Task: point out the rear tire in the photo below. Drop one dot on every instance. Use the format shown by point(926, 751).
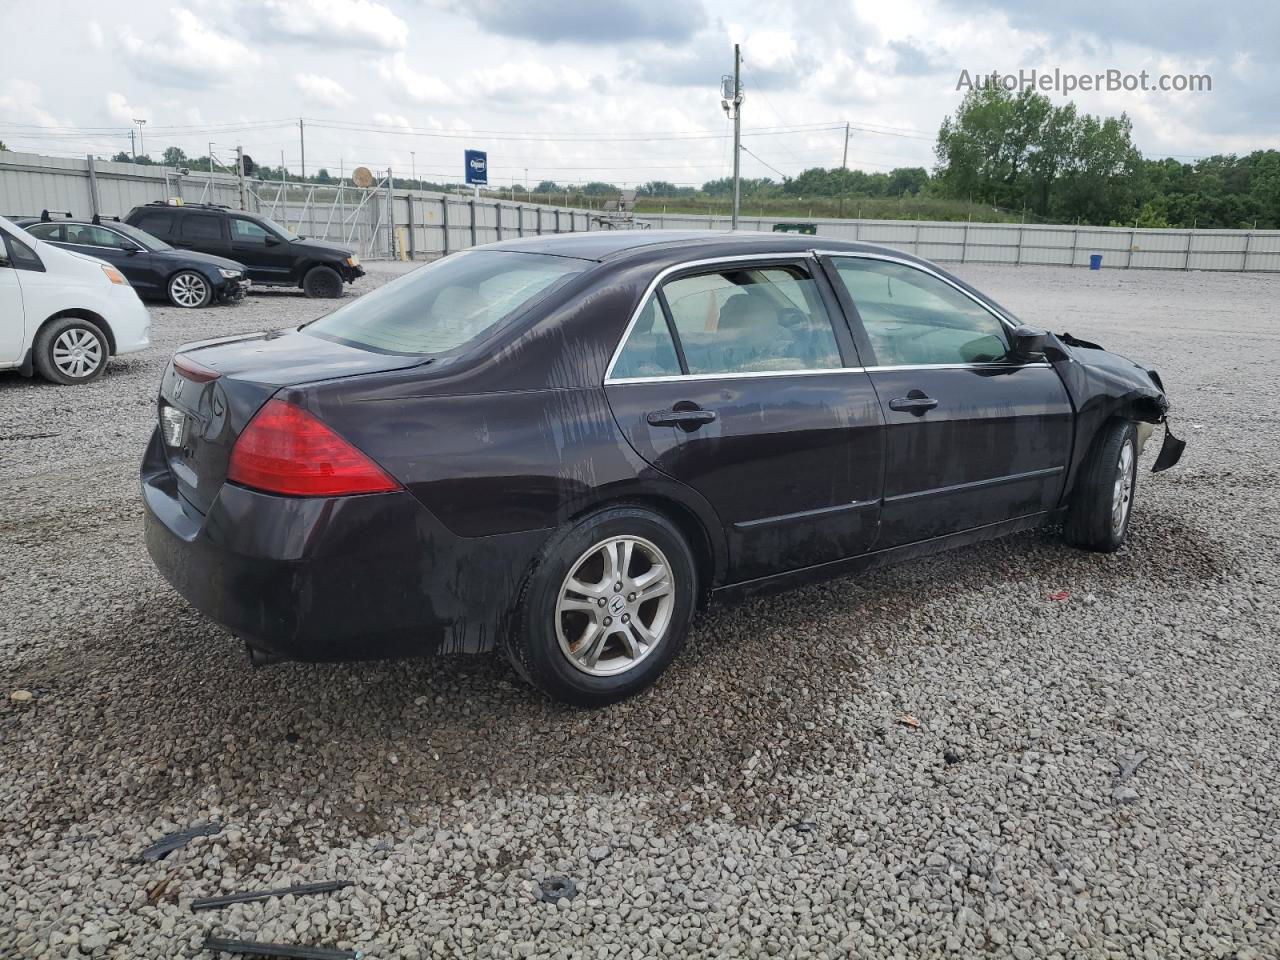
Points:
point(1102, 505)
point(322, 282)
point(606, 608)
point(70, 351)
point(190, 290)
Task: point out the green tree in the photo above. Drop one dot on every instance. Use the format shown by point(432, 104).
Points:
point(3, 147)
point(174, 157)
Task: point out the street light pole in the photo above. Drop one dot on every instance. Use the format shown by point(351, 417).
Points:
point(142, 144)
point(413, 166)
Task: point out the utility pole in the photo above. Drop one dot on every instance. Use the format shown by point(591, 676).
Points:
point(213, 196)
point(391, 216)
point(731, 100)
point(844, 161)
point(132, 146)
point(244, 197)
point(142, 144)
point(302, 143)
point(413, 165)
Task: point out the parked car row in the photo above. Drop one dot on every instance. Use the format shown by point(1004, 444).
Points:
point(70, 288)
point(195, 255)
point(63, 313)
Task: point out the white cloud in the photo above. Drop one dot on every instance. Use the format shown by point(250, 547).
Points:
point(190, 54)
point(324, 90)
point(120, 109)
point(530, 79)
point(415, 86)
point(336, 23)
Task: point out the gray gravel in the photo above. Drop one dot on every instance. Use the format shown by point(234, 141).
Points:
point(766, 799)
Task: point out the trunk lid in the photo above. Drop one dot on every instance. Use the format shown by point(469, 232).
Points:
point(200, 420)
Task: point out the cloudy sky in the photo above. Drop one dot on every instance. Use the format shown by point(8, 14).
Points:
point(625, 91)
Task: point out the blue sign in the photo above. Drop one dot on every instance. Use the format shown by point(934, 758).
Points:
point(477, 166)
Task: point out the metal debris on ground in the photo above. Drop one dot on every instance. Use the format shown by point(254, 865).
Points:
point(551, 889)
point(248, 948)
point(171, 842)
point(804, 826)
point(297, 890)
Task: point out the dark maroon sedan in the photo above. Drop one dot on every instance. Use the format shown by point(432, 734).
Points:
point(561, 447)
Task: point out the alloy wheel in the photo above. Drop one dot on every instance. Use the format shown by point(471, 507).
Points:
point(615, 606)
point(1122, 494)
point(188, 290)
point(77, 352)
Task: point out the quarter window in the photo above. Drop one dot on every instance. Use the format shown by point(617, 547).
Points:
point(650, 351)
point(751, 319)
point(22, 256)
point(912, 317)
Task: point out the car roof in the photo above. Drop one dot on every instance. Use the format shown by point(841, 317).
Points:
point(615, 245)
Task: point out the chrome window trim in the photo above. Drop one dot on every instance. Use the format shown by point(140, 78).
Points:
point(96, 246)
point(994, 365)
point(689, 377)
point(854, 254)
point(764, 259)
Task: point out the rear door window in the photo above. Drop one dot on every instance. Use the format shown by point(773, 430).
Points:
point(649, 351)
point(752, 320)
point(88, 235)
point(156, 224)
point(52, 232)
point(201, 226)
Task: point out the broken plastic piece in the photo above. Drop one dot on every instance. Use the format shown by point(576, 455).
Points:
point(248, 948)
point(297, 890)
point(1170, 451)
point(171, 842)
point(1060, 595)
point(907, 720)
point(551, 889)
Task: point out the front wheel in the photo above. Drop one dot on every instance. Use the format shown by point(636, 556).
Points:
point(1099, 513)
point(190, 290)
point(323, 282)
point(606, 608)
point(70, 351)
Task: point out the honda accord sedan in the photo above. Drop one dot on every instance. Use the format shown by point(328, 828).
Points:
point(562, 447)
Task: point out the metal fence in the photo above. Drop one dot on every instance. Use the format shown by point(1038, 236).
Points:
point(377, 222)
point(1253, 251)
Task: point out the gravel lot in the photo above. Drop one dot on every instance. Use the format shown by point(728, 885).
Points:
point(763, 800)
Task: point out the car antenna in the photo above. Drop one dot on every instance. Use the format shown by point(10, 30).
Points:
point(44, 216)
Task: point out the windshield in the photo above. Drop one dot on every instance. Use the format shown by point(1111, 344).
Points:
point(443, 306)
point(154, 244)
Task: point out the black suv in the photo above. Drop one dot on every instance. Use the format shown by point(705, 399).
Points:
point(273, 255)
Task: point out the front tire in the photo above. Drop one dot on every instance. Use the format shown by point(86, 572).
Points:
point(606, 608)
point(70, 351)
point(1100, 510)
point(190, 290)
point(322, 282)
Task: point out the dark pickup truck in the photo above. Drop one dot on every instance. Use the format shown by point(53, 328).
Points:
point(273, 255)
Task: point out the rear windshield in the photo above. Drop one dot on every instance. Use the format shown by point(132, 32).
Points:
point(442, 306)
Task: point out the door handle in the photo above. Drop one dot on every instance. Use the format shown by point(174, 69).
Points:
point(917, 405)
point(684, 419)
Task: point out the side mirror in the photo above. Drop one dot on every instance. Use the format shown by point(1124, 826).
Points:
point(272, 240)
point(1028, 343)
point(132, 250)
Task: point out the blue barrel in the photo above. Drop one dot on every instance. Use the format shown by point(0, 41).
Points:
point(1095, 261)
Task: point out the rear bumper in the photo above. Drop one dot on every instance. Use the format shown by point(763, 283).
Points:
point(343, 578)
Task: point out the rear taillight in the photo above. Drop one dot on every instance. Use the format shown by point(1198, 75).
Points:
point(286, 450)
point(193, 370)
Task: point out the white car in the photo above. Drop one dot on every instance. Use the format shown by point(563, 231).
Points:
point(63, 314)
